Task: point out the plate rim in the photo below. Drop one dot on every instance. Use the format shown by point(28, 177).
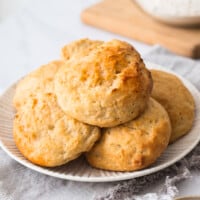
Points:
point(123, 175)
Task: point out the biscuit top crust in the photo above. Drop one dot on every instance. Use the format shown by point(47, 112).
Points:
point(112, 64)
point(109, 86)
point(40, 80)
point(79, 48)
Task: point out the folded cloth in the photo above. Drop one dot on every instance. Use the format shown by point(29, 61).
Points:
point(188, 68)
point(20, 183)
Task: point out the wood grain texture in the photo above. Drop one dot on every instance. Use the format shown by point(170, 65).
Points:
point(126, 18)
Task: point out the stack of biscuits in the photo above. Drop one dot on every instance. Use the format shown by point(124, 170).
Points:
point(100, 99)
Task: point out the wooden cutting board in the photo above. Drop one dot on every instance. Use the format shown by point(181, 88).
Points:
point(126, 18)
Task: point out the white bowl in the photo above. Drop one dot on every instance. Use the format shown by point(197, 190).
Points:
point(189, 198)
point(176, 12)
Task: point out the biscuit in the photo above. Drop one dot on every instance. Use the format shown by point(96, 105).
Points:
point(133, 145)
point(169, 91)
point(48, 137)
point(79, 48)
point(40, 80)
point(108, 87)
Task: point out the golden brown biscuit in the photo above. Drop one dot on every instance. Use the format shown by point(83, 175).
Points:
point(40, 80)
point(79, 48)
point(133, 145)
point(108, 87)
point(48, 137)
point(42, 131)
point(169, 91)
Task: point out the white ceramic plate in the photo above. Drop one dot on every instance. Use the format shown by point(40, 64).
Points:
point(79, 170)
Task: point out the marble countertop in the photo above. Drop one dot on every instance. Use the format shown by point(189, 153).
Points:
point(32, 33)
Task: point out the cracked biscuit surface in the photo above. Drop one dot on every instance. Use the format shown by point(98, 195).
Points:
point(133, 145)
point(170, 92)
point(39, 81)
point(79, 48)
point(107, 87)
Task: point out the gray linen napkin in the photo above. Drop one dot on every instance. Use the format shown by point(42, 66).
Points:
point(20, 183)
